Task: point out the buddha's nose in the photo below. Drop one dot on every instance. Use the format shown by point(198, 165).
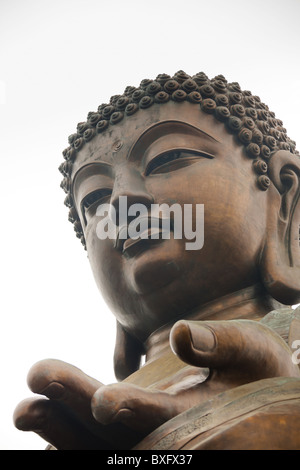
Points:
point(129, 188)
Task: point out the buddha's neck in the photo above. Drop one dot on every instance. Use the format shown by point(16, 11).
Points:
point(251, 303)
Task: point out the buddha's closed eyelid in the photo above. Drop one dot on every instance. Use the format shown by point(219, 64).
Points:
point(94, 199)
point(172, 160)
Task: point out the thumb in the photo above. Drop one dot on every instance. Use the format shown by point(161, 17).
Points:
point(244, 345)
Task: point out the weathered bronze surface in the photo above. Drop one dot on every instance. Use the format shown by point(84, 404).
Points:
point(214, 324)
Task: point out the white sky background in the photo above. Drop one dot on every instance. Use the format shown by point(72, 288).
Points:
point(60, 59)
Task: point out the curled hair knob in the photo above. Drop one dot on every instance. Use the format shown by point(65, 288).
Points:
point(260, 166)
point(263, 182)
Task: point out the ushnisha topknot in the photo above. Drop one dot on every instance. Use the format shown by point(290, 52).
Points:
point(243, 114)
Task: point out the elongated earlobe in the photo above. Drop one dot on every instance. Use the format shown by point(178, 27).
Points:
point(127, 355)
point(280, 262)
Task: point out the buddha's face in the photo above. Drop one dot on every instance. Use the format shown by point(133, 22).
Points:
point(170, 153)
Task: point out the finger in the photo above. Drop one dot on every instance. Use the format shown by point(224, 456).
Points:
point(140, 409)
point(51, 421)
point(65, 383)
point(69, 386)
point(244, 345)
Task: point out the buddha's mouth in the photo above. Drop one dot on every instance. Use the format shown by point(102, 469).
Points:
point(132, 242)
point(133, 247)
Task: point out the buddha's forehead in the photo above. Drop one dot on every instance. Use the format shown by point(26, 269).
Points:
point(117, 141)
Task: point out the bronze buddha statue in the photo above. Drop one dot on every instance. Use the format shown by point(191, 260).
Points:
point(212, 321)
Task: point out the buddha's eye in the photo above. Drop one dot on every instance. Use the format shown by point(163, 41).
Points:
point(174, 160)
point(94, 199)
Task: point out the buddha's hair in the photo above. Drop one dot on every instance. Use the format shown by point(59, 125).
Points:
point(244, 115)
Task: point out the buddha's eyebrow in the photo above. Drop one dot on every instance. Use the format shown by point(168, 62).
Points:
point(91, 169)
point(162, 129)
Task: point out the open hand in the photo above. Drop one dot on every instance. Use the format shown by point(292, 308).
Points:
point(79, 412)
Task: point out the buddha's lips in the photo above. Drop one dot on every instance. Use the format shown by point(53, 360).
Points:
point(153, 233)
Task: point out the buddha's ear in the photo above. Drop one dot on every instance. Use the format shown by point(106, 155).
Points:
point(280, 261)
point(127, 355)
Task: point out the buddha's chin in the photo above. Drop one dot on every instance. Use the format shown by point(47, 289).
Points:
point(155, 268)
